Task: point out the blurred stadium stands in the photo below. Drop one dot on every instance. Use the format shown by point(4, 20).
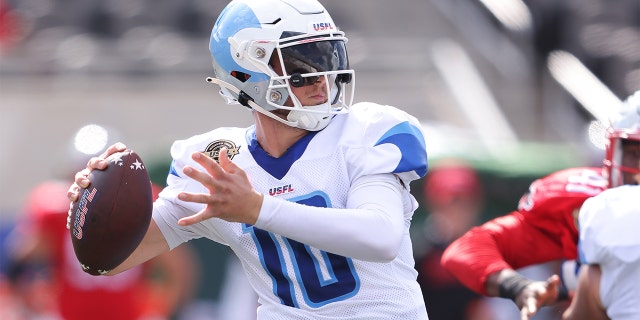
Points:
point(475, 72)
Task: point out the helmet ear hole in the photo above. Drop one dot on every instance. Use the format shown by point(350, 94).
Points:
point(243, 77)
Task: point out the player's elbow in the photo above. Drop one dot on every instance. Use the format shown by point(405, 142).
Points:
point(380, 254)
point(388, 254)
point(381, 248)
point(453, 259)
point(447, 258)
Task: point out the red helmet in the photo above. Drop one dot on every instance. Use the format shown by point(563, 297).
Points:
point(49, 197)
point(451, 179)
point(625, 127)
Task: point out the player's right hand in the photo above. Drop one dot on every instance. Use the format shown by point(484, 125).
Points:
point(537, 295)
point(81, 179)
point(231, 195)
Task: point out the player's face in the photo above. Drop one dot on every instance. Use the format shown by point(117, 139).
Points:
point(631, 159)
point(310, 94)
point(313, 94)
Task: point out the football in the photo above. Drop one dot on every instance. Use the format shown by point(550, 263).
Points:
point(113, 214)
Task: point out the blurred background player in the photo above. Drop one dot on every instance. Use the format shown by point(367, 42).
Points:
point(543, 228)
point(610, 253)
point(454, 201)
point(50, 283)
point(11, 26)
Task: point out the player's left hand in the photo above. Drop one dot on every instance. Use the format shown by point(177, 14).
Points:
point(81, 179)
point(231, 196)
point(537, 295)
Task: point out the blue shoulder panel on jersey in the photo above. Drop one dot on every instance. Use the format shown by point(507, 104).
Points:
point(409, 139)
point(172, 169)
point(244, 18)
point(277, 167)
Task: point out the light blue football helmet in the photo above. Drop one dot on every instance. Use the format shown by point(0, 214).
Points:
point(307, 43)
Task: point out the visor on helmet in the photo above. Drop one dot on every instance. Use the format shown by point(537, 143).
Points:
point(305, 61)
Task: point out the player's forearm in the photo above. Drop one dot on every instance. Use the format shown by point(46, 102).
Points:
point(152, 245)
point(586, 304)
point(472, 258)
point(372, 230)
point(506, 283)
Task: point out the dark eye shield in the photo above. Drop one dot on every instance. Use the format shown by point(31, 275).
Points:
point(315, 57)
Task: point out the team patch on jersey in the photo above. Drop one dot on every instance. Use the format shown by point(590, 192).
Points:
point(213, 149)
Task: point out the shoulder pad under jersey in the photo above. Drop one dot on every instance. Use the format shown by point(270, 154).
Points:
point(384, 139)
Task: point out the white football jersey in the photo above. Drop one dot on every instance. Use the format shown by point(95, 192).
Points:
point(609, 237)
point(292, 279)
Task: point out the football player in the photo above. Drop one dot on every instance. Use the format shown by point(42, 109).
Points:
point(454, 201)
point(543, 228)
point(314, 198)
point(610, 250)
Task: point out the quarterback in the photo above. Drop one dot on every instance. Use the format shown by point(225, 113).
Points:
point(314, 197)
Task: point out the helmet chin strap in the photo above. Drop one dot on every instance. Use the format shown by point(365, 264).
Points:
point(309, 120)
point(303, 120)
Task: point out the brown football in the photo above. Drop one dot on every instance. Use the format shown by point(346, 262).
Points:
point(113, 214)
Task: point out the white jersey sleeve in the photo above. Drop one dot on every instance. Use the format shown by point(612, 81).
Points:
point(375, 202)
point(609, 237)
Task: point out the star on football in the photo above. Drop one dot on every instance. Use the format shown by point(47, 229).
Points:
point(117, 159)
point(137, 165)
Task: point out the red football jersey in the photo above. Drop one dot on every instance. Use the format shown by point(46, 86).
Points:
point(83, 296)
point(80, 295)
point(541, 230)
